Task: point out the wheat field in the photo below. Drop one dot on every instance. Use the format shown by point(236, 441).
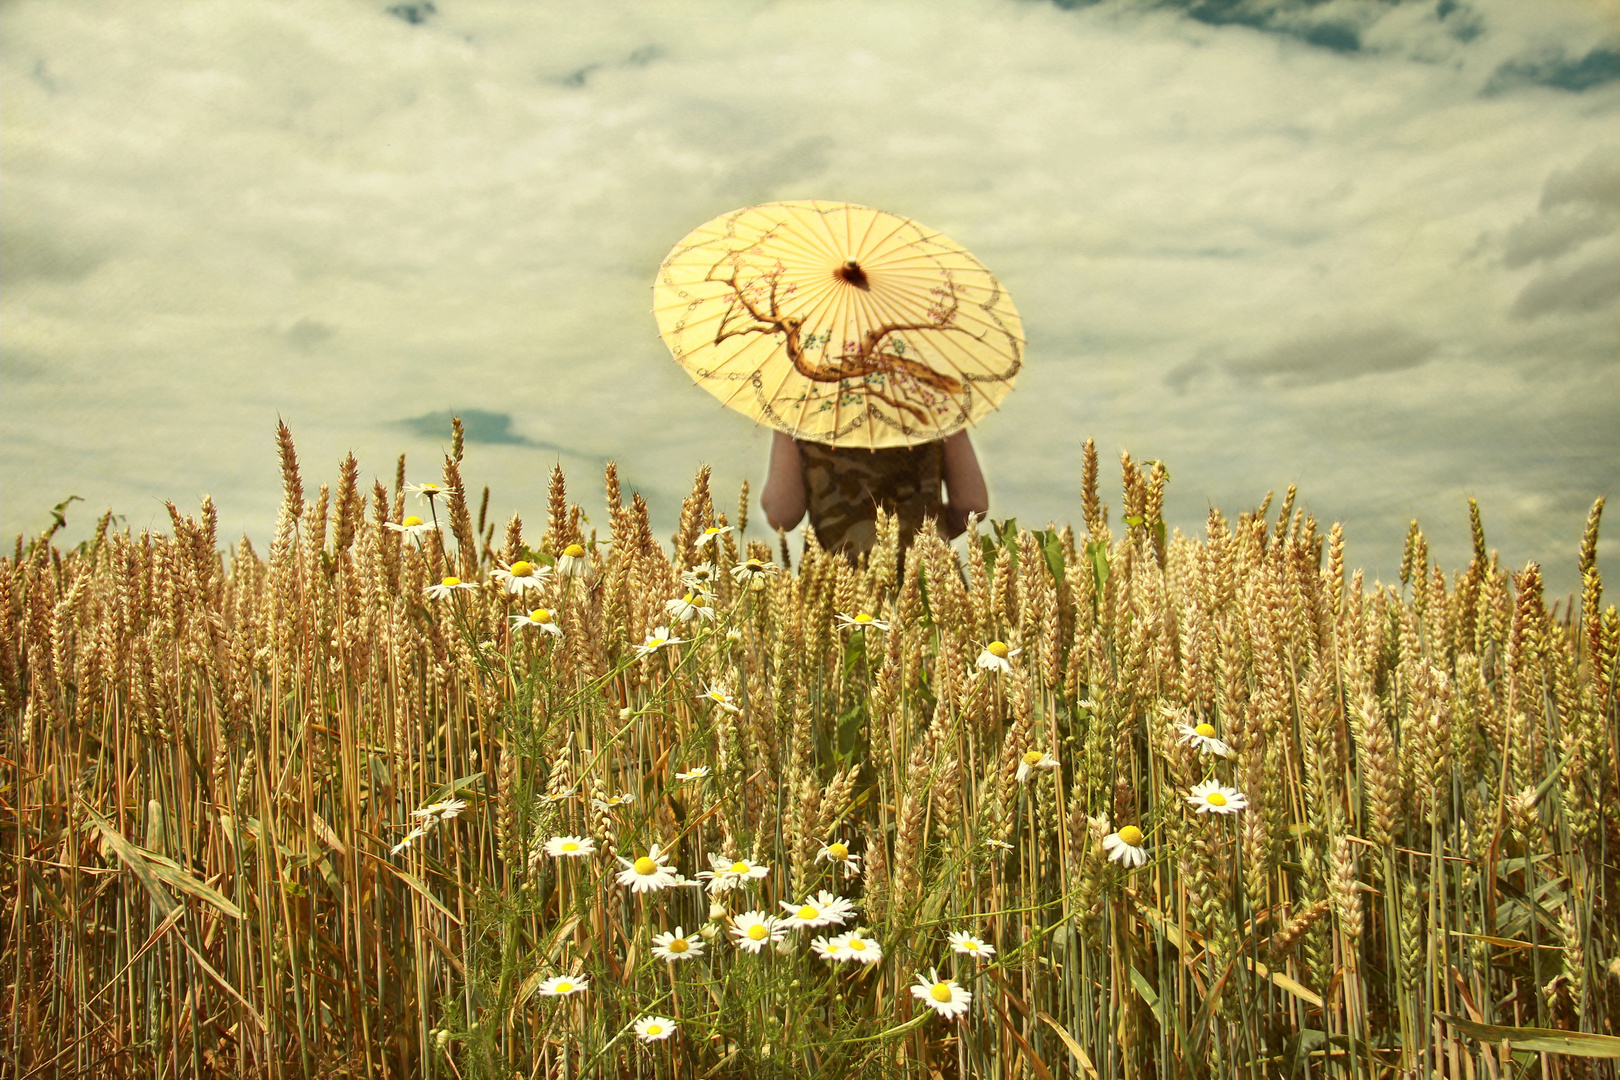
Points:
point(413, 795)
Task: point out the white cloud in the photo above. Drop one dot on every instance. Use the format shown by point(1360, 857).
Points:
point(221, 213)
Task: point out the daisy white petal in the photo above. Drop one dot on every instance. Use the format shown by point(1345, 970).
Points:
point(710, 535)
point(646, 873)
point(427, 492)
point(447, 587)
point(521, 576)
point(1213, 797)
point(694, 605)
point(697, 772)
point(755, 929)
point(574, 562)
point(1034, 759)
point(540, 618)
point(570, 847)
point(858, 947)
point(1203, 736)
point(818, 910)
point(563, 985)
point(676, 946)
point(652, 1028)
point(944, 996)
point(861, 621)
point(837, 851)
point(412, 526)
point(971, 945)
point(658, 639)
point(996, 655)
point(1126, 846)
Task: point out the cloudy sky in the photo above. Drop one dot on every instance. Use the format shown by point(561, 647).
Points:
point(1368, 247)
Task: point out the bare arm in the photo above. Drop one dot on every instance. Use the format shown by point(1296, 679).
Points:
point(783, 497)
point(964, 484)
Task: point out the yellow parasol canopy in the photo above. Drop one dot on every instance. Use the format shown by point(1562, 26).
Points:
point(839, 324)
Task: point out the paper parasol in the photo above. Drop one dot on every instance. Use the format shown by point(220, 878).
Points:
point(839, 324)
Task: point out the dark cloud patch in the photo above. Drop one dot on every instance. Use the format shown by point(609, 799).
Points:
point(1179, 377)
point(1595, 180)
point(1557, 69)
point(17, 368)
point(304, 334)
point(1589, 287)
point(478, 426)
point(31, 254)
point(1549, 235)
point(416, 14)
point(1335, 356)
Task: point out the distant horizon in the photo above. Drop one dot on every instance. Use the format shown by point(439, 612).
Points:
point(1370, 249)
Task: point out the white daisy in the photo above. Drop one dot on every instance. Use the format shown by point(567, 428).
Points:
point(861, 621)
point(563, 985)
point(858, 947)
point(831, 950)
point(819, 910)
point(412, 526)
point(837, 851)
point(647, 873)
point(1126, 846)
point(427, 492)
point(700, 578)
point(694, 605)
point(447, 587)
point(944, 996)
point(710, 535)
point(754, 930)
point(731, 873)
point(656, 640)
point(444, 810)
point(754, 572)
point(676, 946)
point(971, 945)
point(570, 847)
point(1000, 845)
point(614, 801)
point(652, 1028)
point(573, 562)
point(410, 838)
point(560, 796)
point(1203, 737)
point(541, 619)
point(720, 694)
point(521, 576)
point(696, 772)
point(1034, 759)
point(996, 655)
point(1212, 797)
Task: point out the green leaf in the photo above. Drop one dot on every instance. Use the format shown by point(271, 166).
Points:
point(1541, 1040)
point(1097, 552)
point(1135, 519)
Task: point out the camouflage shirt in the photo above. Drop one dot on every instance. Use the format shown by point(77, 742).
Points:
point(844, 487)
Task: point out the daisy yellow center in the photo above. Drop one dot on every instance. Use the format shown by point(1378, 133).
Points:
point(522, 569)
point(564, 987)
point(1033, 757)
point(758, 932)
point(739, 867)
point(694, 600)
point(677, 946)
point(755, 564)
point(999, 650)
point(711, 531)
point(412, 520)
point(971, 946)
point(940, 992)
point(838, 851)
point(574, 551)
point(645, 866)
point(863, 617)
point(654, 642)
point(1215, 798)
point(450, 581)
point(1206, 730)
point(1131, 835)
point(540, 614)
point(655, 1029)
point(808, 912)
point(858, 945)
point(570, 846)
